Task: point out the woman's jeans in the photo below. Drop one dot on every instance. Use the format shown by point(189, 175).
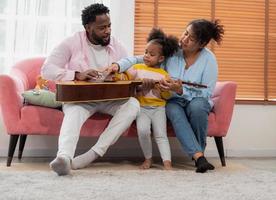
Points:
point(190, 122)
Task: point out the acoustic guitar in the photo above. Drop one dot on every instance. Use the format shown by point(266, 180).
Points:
point(83, 91)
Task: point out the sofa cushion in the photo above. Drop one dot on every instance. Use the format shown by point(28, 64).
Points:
point(39, 120)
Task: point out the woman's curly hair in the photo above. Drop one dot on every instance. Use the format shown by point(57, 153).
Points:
point(205, 30)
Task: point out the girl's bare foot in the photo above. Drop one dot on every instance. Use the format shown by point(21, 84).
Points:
point(167, 165)
point(146, 164)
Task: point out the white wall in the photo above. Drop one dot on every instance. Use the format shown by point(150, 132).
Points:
point(122, 18)
point(252, 131)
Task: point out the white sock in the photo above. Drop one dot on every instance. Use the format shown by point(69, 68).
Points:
point(61, 165)
point(84, 160)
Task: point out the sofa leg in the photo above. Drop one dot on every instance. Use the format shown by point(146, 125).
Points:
point(22, 142)
point(219, 144)
point(12, 145)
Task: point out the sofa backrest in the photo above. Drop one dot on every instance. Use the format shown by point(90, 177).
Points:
point(27, 71)
point(224, 100)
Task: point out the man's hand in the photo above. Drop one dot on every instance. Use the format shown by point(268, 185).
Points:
point(171, 85)
point(87, 75)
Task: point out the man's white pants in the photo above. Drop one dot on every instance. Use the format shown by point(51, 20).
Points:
point(123, 112)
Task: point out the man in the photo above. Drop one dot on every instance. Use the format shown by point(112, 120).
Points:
point(80, 57)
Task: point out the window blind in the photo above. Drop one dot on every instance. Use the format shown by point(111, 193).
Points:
point(247, 54)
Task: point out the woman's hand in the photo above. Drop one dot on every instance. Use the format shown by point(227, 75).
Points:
point(171, 85)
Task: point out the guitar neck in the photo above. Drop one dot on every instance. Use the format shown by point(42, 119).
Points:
point(194, 84)
point(197, 85)
point(138, 82)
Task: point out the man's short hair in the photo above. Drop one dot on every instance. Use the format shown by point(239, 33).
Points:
point(89, 13)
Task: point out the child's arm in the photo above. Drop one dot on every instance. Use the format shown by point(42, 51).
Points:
point(125, 63)
point(130, 74)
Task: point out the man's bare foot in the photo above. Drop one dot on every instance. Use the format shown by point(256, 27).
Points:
point(167, 165)
point(146, 164)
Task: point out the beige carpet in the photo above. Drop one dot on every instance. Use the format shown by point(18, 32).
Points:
point(120, 181)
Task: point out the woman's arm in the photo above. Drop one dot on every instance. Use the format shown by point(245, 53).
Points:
point(204, 73)
point(209, 78)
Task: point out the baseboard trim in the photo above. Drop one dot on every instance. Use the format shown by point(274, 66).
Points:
point(136, 152)
point(251, 153)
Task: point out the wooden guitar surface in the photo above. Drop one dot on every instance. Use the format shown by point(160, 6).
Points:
point(83, 91)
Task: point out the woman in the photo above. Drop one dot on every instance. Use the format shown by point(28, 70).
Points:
point(189, 107)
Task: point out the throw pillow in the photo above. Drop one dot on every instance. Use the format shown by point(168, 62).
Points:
point(44, 98)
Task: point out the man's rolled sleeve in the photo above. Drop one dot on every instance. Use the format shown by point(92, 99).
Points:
point(54, 67)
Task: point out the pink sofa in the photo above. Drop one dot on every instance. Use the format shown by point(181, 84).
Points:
point(22, 120)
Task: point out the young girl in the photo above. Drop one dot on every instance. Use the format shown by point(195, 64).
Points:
point(153, 101)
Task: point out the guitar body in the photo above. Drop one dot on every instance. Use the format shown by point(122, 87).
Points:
point(82, 91)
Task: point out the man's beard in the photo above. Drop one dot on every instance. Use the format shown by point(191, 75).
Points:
point(99, 40)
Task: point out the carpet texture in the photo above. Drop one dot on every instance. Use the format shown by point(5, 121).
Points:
point(123, 184)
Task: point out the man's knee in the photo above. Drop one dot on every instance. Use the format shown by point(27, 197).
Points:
point(73, 108)
point(76, 112)
point(134, 102)
point(133, 106)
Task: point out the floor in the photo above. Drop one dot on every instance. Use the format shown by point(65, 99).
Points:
point(267, 164)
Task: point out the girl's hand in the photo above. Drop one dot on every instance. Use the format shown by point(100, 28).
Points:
point(157, 91)
point(147, 84)
point(113, 68)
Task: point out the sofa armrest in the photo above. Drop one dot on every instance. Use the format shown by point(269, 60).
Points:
point(224, 100)
point(11, 101)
